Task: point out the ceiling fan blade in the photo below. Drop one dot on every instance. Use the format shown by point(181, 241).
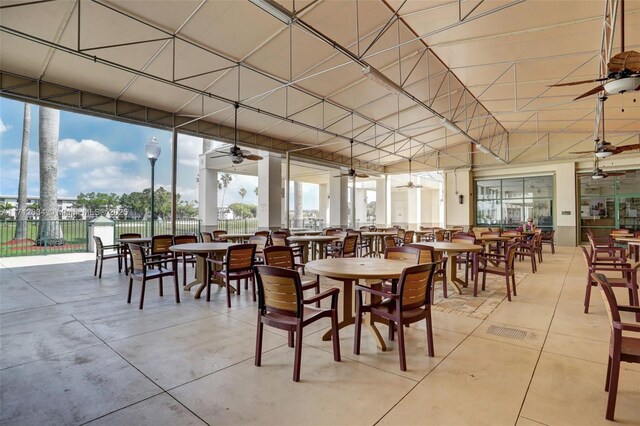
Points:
point(220, 156)
point(591, 92)
point(612, 174)
point(403, 186)
point(254, 157)
point(623, 148)
point(342, 175)
point(582, 152)
point(629, 60)
point(575, 83)
point(362, 175)
point(418, 186)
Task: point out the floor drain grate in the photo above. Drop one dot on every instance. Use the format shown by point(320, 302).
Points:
point(509, 333)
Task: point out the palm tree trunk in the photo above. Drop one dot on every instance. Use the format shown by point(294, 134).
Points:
point(49, 231)
point(21, 224)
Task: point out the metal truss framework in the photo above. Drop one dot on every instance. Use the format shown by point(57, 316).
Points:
point(453, 100)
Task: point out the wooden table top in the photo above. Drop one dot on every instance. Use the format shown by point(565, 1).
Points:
point(358, 267)
point(247, 235)
point(141, 240)
point(314, 238)
point(201, 247)
point(302, 233)
point(378, 233)
point(493, 238)
point(452, 247)
point(628, 239)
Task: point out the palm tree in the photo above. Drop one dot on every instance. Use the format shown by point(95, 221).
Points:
point(225, 180)
point(49, 231)
point(243, 193)
point(21, 225)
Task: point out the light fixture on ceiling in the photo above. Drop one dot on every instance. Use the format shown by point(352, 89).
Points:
point(603, 154)
point(627, 84)
point(481, 148)
point(597, 177)
point(384, 81)
point(450, 125)
point(275, 10)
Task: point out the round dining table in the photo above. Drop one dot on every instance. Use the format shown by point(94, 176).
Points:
point(501, 241)
point(238, 238)
point(307, 232)
point(310, 242)
point(633, 243)
point(349, 270)
point(202, 251)
point(453, 250)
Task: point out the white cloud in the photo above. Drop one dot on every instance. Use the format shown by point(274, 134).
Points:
point(89, 153)
point(3, 127)
point(111, 179)
point(189, 149)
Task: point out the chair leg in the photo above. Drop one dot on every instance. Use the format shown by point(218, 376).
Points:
point(101, 262)
point(207, 280)
point(484, 279)
point(506, 277)
point(429, 335)
point(613, 387)
point(445, 290)
point(144, 283)
point(358, 324)
point(161, 287)
point(184, 271)
point(258, 357)
point(253, 287)
point(587, 296)
point(401, 351)
point(392, 327)
point(175, 285)
point(606, 382)
point(130, 289)
point(126, 265)
point(298, 354)
point(513, 283)
point(335, 336)
point(290, 337)
point(553, 248)
point(228, 286)
point(95, 269)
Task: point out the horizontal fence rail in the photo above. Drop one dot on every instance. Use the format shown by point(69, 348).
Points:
point(72, 236)
point(238, 226)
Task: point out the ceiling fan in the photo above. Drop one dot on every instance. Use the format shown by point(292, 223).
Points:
point(598, 173)
point(237, 155)
point(352, 172)
point(410, 184)
point(604, 149)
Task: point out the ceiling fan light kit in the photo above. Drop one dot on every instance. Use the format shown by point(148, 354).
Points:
point(622, 85)
point(604, 154)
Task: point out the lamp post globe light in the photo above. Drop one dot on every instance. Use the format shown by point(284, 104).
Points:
point(153, 151)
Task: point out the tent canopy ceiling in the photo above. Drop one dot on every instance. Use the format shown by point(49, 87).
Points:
point(483, 65)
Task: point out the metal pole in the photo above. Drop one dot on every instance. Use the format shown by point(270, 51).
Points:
point(353, 204)
point(286, 190)
point(174, 181)
point(153, 197)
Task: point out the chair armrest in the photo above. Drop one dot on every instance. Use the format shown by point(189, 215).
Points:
point(215, 261)
point(376, 292)
point(627, 269)
point(160, 262)
point(625, 326)
point(615, 261)
point(486, 255)
point(316, 298)
point(112, 246)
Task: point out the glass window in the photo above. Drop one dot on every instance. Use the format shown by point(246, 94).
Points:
point(489, 212)
point(538, 187)
point(513, 212)
point(488, 189)
point(629, 183)
point(512, 188)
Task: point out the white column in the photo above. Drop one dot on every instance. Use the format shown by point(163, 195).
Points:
point(414, 208)
point(297, 204)
point(361, 207)
point(456, 213)
point(381, 202)
point(270, 191)
point(338, 201)
point(323, 205)
point(207, 196)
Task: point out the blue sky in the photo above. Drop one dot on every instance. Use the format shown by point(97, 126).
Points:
point(101, 155)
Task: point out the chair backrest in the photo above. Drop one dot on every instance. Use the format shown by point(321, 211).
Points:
point(490, 233)
point(587, 257)
point(279, 291)
point(463, 238)
point(389, 241)
point(349, 245)
point(218, 235)
point(279, 238)
point(206, 237)
point(427, 254)
point(408, 237)
point(130, 235)
point(414, 286)
point(405, 253)
point(280, 256)
point(160, 244)
point(609, 298)
point(99, 245)
point(185, 239)
point(240, 257)
point(286, 231)
point(331, 231)
point(511, 255)
point(365, 228)
point(439, 235)
point(263, 233)
point(479, 231)
point(260, 242)
point(138, 259)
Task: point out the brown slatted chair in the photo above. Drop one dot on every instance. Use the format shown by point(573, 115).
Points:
point(124, 249)
point(141, 270)
point(505, 268)
point(621, 348)
point(218, 236)
point(408, 237)
point(281, 304)
point(429, 255)
point(346, 249)
point(185, 258)
point(410, 303)
point(206, 237)
point(264, 234)
point(237, 265)
point(629, 278)
point(261, 242)
point(548, 238)
point(160, 247)
point(283, 257)
point(389, 241)
point(438, 235)
point(605, 251)
point(102, 256)
point(467, 259)
point(404, 253)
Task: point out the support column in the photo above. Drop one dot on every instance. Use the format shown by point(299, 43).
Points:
point(381, 203)
point(298, 217)
point(270, 191)
point(458, 182)
point(323, 204)
point(361, 207)
point(414, 208)
point(338, 201)
point(207, 196)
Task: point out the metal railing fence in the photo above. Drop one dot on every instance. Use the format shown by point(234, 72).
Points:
point(43, 237)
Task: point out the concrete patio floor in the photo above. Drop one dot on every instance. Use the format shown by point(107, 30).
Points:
point(74, 352)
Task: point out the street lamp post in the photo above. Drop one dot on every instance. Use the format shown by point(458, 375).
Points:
point(153, 152)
